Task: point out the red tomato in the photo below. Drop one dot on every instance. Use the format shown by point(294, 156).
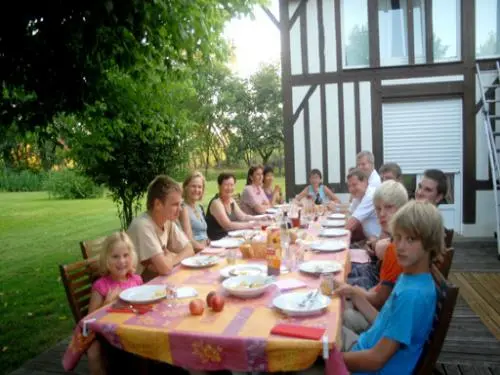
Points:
point(217, 303)
point(196, 307)
point(209, 298)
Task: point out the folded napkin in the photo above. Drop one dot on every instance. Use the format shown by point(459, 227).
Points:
point(294, 330)
point(359, 256)
point(289, 284)
point(213, 250)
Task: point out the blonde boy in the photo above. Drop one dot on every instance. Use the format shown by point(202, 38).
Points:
point(394, 342)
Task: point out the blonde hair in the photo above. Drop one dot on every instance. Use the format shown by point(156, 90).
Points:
point(391, 192)
point(107, 247)
point(188, 180)
point(423, 221)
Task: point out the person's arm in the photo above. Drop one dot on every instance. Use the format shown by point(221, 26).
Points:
point(372, 359)
point(352, 224)
point(362, 304)
point(163, 263)
point(186, 227)
point(219, 213)
point(276, 195)
point(331, 195)
point(96, 301)
point(376, 296)
point(302, 194)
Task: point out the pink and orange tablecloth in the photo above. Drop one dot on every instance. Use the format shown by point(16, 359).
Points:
point(238, 338)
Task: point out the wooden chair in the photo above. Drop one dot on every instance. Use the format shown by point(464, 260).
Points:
point(444, 264)
point(448, 237)
point(447, 298)
point(91, 248)
point(77, 279)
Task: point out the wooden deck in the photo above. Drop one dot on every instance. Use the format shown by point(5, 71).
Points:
point(470, 347)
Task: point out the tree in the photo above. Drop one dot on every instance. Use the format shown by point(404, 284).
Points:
point(357, 50)
point(135, 133)
point(438, 48)
point(489, 47)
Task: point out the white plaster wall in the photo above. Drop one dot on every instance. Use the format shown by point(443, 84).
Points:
point(299, 150)
point(485, 224)
point(315, 131)
point(349, 126)
point(332, 132)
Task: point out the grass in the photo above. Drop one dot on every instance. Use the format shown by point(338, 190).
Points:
point(36, 235)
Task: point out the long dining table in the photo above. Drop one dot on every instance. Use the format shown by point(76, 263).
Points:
point(238, 338)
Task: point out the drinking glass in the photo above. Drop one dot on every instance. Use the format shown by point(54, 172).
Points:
point(231, 256)
point(327, 283)
point(171, 294)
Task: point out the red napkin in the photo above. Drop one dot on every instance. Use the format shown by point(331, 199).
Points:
point(130, 309)
point(294, 330)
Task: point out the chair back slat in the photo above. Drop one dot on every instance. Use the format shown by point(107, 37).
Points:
point(448, 237)
point(447, 298)
point(444, 264)
point(91, 248)
point(77, 279)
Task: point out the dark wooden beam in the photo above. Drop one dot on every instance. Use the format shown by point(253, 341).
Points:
point(295, 14)
point(373, 35)
point(338, 37)
point(422, 89)
point(303, 103)
point(411, 32)
point(286, 88)
point(429, 48)
point(271, 16)
point(377, 132)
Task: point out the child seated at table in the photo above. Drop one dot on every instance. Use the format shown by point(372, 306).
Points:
point(317, 191)
point(117, 263)
point(395, 340)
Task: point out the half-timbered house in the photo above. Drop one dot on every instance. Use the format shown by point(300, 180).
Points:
point(396, 77)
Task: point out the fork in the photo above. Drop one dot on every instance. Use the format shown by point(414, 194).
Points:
point(309, 295)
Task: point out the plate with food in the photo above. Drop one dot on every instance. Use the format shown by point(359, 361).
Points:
point(320, 266)
point(272, 211)
point(200, 261)
point(247, 286)
point(302, 303)
point(334, 232)
point(328, 246)
point(144, 294)
point(244, 270)
point(242, 233)
point(228, 243)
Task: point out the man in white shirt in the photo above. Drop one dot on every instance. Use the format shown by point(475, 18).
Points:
point(159, 242)
point(362, 208)
point(366, 162)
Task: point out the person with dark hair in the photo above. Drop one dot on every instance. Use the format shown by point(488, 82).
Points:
point(254, 200)
point(433, 187)
point(223, 213)
point(317, 191)
point(390, 171)
point(274, 195)
point(159, 242)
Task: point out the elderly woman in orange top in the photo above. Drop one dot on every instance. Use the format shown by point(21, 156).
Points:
point(254, 200)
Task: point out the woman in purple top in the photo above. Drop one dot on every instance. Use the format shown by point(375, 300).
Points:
point(254, 200)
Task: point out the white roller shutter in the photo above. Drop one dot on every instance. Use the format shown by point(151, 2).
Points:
point(423, 135)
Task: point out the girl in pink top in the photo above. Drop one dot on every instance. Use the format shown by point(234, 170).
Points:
point(254, 200)
point(117, 264)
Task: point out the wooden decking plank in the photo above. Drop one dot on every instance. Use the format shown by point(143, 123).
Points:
point(451, 369)
point(480, 283)
point(486, 313)
point(474, 370)
point(495, 370)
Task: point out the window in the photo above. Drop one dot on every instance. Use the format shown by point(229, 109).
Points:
point(355, 45)
point(487, 28)
point(393, 32)
point(446, 30)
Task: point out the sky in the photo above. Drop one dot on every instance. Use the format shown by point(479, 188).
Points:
point(256, 41)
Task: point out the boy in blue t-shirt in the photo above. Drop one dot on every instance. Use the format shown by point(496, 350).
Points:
point(394, 342)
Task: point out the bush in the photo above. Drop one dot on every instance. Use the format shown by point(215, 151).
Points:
point(11, 180)
point(71, 184)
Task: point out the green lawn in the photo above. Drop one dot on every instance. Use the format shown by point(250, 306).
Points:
point(36, 235)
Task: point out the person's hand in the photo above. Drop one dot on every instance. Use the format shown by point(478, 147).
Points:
point(112, 295)
point(344, 290)
point(331, 206)
point(277, 189)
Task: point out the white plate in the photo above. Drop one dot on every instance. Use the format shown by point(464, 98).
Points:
point(241, 286)
point(290, 303)
point(272, 211)
point(144, 293)
point(334, 232)
point(226, 242)
point(240, 233)
point(333, 223)
point(200, 261)
point(244, 270)
point(320, 266)
point(336, 216)
point(328, 246)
